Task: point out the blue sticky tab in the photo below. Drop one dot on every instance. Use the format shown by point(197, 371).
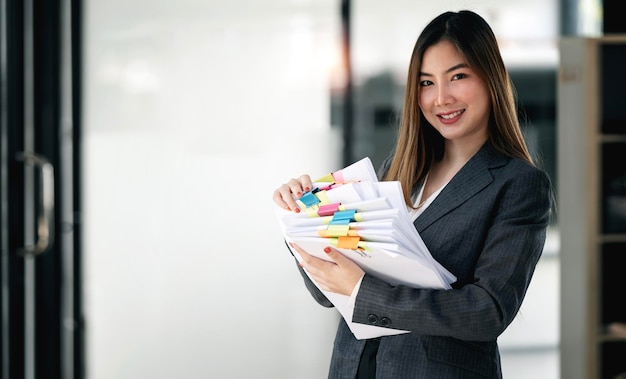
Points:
point(348, 214)
point(341, 221)
point(309, 199)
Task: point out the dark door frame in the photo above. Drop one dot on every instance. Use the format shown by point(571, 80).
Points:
point(42, 329)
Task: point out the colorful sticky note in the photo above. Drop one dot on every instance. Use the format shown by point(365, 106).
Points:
point(309, 199)
point(326, 179)
point(348, 242)
point(328, 209)
point(338, 176)
point(349, 214)
point(338, 230)
point(339, 221)
point(322, 196)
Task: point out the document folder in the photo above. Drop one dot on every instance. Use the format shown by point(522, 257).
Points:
point(368, 222)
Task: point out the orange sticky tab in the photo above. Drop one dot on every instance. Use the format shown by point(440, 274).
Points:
point(348, 242)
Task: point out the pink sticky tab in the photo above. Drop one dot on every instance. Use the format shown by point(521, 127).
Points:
point(348, 242)
point(328, 209)
point(338, 176)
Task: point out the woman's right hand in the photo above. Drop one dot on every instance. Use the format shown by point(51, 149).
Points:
point(285, 196)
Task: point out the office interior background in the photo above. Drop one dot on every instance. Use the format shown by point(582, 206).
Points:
point(194, 111)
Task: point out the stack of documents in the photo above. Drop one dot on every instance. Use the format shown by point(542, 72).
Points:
point(368, 222)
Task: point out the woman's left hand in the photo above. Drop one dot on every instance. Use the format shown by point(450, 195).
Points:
point(340, 275)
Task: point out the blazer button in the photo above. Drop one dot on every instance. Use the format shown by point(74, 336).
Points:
point(385, 321)
point(373, 319)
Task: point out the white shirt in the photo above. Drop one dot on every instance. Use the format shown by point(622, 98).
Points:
point(417, 200)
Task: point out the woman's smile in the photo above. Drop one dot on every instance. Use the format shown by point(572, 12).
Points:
point(449, 118)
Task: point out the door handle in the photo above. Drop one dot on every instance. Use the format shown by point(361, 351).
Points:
point(45, 216)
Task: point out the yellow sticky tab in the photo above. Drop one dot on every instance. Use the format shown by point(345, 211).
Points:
point(348, 242)
point(312, 211)
point(330, 234)
point(338, 230)
point(326, 219)
point(323, 198)
point(326, 179)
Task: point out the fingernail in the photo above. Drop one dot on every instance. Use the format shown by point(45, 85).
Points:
point(299, 194)
point(306, 189)
point(297, 210)
point(327, 249)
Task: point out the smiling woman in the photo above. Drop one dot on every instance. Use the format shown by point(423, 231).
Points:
point(485, 217)
point(455, 101)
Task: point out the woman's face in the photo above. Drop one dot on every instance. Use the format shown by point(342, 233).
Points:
point(452, 97)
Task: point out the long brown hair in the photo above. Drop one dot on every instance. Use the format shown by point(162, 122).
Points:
point(419, 144)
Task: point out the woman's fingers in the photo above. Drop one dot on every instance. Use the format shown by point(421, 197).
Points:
point(316, 267)
point(305, 182)
point(300, 185)
point(284, 199)
point(285, 196)
point(338, 275)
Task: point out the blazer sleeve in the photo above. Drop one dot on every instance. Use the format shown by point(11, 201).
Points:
point(498, 240)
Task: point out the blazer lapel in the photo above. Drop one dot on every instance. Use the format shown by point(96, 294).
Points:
point(472, 178)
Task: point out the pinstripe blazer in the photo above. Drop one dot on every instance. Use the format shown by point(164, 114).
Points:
point(487, 227)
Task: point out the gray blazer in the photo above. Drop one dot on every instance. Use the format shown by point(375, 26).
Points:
point(487, 227)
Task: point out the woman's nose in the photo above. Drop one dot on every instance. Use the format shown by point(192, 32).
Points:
point(444, 95)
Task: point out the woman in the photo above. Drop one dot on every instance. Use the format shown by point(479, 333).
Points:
point(479, 203)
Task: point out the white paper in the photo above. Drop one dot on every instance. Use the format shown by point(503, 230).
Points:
point(391, 249)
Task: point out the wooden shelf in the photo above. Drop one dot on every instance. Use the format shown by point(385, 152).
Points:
point(591, 129)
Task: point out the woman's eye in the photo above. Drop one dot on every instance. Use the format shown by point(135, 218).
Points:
point(458, 76)
point(425, 83)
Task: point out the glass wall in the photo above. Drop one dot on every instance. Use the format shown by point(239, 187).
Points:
point(194, 112)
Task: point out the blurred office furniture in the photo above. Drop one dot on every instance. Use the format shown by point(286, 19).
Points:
point(378, 103)
point(592, 205)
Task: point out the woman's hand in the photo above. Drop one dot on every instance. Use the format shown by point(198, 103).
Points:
point(340, 275)
point(284, 195)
